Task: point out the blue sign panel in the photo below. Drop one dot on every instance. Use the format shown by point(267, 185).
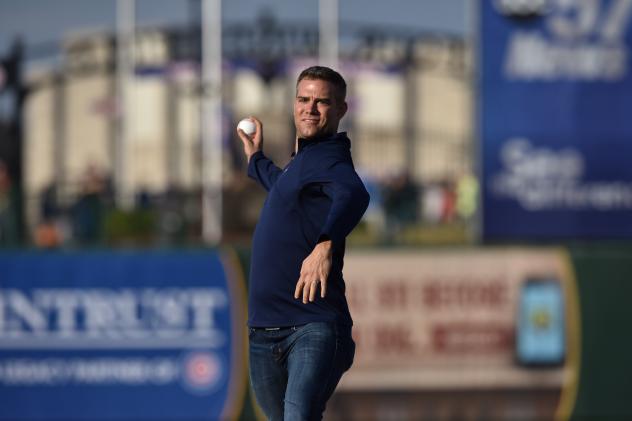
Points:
point(555, 126)
point(119, 336)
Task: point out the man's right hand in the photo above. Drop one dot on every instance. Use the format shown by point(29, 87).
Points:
point(254, 142)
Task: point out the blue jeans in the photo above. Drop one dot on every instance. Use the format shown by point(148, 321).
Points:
point(294, 370)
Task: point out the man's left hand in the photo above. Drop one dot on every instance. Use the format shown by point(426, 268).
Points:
point(315, 270)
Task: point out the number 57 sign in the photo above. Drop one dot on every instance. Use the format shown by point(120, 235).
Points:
point(579, 39)
point(554, 86)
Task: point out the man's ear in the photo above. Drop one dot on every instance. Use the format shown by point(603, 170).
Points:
point(343, 109)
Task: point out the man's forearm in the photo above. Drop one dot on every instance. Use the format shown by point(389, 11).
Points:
point(263, 170)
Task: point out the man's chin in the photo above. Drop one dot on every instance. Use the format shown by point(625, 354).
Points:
point(309, 134)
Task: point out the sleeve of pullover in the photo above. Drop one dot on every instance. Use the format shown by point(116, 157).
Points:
point(261, 169)
point(349, 200)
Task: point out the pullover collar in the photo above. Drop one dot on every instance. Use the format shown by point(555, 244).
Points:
point(338, 137)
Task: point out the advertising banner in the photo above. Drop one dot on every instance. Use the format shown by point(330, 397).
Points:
point(461, 320)
point(120, 336)
point(555, 131)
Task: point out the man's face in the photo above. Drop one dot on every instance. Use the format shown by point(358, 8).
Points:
point(317, 109)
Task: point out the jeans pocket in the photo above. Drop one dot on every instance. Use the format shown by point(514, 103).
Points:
point(315, 329)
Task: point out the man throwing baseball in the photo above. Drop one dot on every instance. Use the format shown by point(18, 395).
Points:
point(299, 321)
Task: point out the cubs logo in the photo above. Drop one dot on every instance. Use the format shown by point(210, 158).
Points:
point(202, 372)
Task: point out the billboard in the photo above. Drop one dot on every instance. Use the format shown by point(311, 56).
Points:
point(555, 78)
point(120, 336)
point(459, 320)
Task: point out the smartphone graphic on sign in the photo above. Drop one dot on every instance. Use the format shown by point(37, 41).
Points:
point(540, 330)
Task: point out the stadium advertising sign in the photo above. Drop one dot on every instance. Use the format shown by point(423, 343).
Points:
point(461, 319)
point(120, 336)
point(554, 125)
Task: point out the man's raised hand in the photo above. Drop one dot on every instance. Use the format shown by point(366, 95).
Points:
point(254, 142)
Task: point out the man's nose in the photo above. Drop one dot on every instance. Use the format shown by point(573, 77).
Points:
point(313, 109)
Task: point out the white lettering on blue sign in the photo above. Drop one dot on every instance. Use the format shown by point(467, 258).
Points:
point(543, 179)
point(581, 40)
point(111, 318)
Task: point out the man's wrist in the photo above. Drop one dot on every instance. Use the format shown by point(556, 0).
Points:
point(324, 245)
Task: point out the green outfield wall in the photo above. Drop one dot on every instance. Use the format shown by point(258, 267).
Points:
point(604, 283)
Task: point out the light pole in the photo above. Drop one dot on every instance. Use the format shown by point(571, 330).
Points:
point(211, 121)
point(328, 33)
point(125, 64)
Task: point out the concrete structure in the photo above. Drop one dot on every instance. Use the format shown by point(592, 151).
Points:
point(414, 117)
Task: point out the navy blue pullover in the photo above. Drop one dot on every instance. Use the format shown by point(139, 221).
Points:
point(317, 196)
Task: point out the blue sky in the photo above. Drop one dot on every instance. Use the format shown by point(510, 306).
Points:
point(40, 21)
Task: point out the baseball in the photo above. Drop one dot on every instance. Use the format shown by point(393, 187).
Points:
point(248, 126)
